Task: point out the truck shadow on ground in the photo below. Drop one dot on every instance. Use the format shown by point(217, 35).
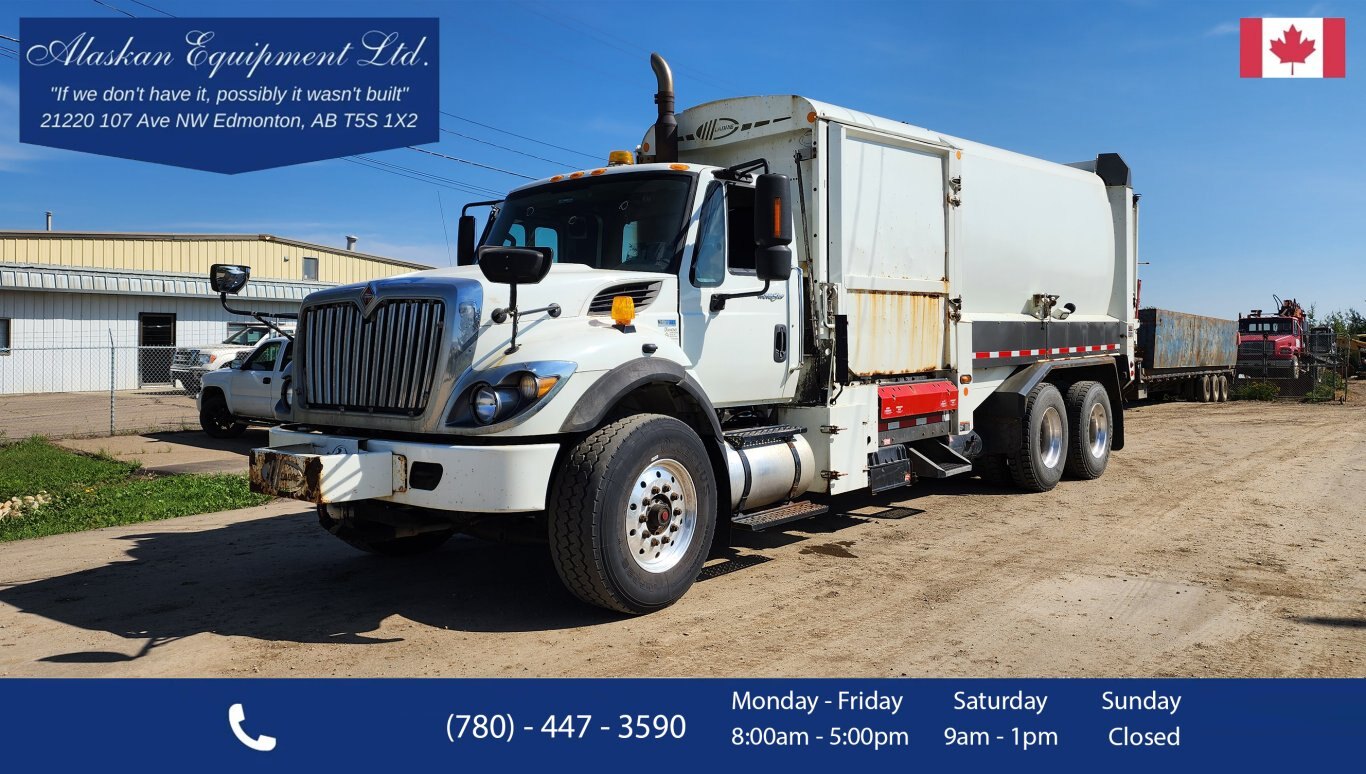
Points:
point(284, 579)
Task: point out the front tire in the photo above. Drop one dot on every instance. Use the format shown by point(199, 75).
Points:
point(1090, 417)
point(1038, 464)
point(632, 513)
point(217, 421)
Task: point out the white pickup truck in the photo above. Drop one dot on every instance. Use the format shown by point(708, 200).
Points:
point(238, 395)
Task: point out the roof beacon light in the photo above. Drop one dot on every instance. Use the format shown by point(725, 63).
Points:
point(620, 159)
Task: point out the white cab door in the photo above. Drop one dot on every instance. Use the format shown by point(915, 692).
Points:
point(257, 385)
point(746, 352)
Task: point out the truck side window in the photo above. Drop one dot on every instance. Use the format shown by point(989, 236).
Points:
point(547, 237)
point(709, 255)
point(289, 355)
point(740, 244)
point(264, 358)
point(516, 236)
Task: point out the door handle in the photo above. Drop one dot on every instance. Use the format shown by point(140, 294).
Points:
point(780, 343)
point(265, 380)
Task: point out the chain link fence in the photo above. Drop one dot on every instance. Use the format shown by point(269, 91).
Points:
point(1318, 382)
point(82, 391)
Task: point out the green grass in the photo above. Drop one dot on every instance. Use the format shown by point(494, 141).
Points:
point(1255, 391)
point(95, 491)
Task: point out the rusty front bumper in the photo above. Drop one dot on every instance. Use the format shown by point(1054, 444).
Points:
point(345, 474)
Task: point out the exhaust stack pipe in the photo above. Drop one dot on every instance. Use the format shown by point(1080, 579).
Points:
point(666, 126)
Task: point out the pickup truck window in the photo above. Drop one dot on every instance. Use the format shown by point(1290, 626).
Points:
point(263, 359)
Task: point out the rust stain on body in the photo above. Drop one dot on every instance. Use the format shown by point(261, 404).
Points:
point(894, 332)
point(287, 475)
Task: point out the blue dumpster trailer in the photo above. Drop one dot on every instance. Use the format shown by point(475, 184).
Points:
point(1185, 355)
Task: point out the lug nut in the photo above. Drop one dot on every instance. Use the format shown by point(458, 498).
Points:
point(666, 487)
point(643, 519)
point(654, 490)
point(678, 511)
point(654, 541)
point(673, 496)
point(664, 540)
point(673, 528)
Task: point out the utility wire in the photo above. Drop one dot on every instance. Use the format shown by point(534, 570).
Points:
point(152, 8)
point(371, 166)
point(7, 37)
point(471, 163)
point(441, 207)
point(518, 136)
point(112, 8)
point(506, 148)
point(425, 177)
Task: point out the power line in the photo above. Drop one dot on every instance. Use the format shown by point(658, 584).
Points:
point(506, 148)
point(7, 37)
point(112, 8)
point(420, 176)
point(471, 163)
point(441, 207)
point(621, 44)
point(518, 136)
point(153, 8)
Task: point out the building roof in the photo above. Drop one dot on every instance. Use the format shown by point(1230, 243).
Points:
point(164, 237)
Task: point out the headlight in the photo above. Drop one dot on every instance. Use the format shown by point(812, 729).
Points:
point(201, 360)
point(484, 404)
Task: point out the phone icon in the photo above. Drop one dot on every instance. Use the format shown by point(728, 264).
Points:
point(236, 716)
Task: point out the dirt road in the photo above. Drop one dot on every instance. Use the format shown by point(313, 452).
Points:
point(1227, 539)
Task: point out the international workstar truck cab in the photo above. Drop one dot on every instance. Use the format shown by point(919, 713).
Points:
point(784, 301)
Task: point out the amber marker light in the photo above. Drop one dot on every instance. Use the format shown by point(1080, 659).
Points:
point(680, 167)
point(623, 310)
point(621, 158)
point(597, 172)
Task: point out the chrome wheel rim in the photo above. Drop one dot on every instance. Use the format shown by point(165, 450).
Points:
point(661, 516)
point(1050, 438)
point(1097, 431)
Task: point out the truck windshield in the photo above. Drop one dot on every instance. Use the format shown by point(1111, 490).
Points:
point(1266, 326)
point(633, 222)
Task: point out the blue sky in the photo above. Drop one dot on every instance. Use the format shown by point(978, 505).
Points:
point(1250, 187)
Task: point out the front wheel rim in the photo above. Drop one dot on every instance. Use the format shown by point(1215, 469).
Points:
point(661, 515)
point(1097, 431)
point(1050, 438)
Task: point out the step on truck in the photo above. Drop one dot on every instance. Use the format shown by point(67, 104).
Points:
point(1184, 355)
point(772, 302)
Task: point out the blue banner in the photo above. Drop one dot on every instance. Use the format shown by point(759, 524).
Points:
point(684, 725)
point(228, 95)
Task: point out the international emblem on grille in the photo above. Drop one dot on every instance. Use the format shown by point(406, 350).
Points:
point(366, 296)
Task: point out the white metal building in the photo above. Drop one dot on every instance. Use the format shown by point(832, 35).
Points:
point(67, 299)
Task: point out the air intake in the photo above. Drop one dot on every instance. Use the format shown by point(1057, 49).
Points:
point(642, 293)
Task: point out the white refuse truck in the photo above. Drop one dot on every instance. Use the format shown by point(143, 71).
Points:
point(782, 301)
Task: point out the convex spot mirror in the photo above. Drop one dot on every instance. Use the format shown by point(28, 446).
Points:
point(228, 278)
point(772, 227)
point(515, 265)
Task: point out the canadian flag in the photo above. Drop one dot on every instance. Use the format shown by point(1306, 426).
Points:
point(1294, 48)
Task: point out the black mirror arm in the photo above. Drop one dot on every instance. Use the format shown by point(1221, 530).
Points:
point(263, 317)
point(718, 300)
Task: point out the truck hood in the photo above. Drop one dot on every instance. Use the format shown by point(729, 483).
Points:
point(573, 286)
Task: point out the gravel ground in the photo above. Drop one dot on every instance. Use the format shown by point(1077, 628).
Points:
point(1227, 539)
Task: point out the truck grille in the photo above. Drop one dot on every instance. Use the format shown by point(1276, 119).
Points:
point(1257, 348)
point(184, 357)
point(383, 364)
